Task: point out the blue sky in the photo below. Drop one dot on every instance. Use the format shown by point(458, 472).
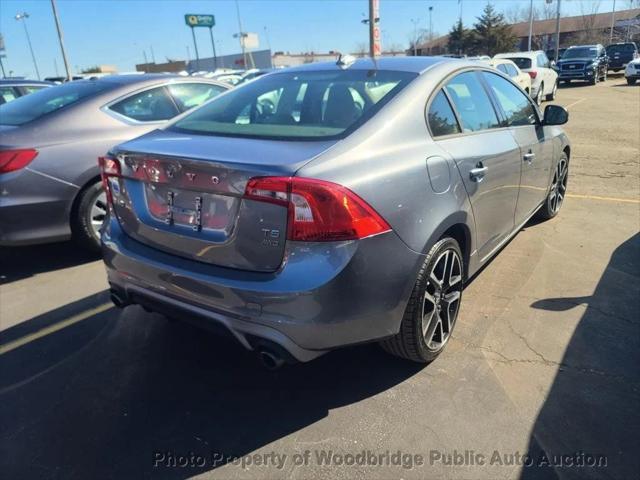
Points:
point(116, 32)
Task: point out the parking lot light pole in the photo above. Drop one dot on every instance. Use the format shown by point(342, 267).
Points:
point(64, 53)
point(530, 24)
point(23, 16)
point(613, 21)
point(213, 45)
point(557, 32)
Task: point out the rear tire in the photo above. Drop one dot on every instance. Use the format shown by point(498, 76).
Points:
point(631, 81)
point(87, 217)
point(558, 190)
point(433, 307)
point(540, 94)
point(552, 96)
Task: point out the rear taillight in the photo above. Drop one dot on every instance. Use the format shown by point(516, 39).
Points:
point(319, 211)
point(533, 74)
point(12, 160)
point(109, 167)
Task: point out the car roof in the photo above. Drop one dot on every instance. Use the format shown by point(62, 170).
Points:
point(122, 84)
point(593, 45)
point(530, 54)
point(25, 82)
point(401, 64)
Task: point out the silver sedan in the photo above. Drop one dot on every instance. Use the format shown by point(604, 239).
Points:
point(50, 142)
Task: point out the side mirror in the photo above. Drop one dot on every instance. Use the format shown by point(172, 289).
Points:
point(555, 115)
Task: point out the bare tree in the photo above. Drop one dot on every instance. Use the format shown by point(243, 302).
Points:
point(516, 14)
point(589, 33)
point(362, 49)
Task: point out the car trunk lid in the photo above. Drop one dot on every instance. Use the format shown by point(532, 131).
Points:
point(183, 194)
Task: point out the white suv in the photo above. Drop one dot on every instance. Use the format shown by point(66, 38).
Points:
point(544, 80)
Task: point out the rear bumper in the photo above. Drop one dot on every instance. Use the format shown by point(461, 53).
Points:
point(324, 296)
point(34, 208)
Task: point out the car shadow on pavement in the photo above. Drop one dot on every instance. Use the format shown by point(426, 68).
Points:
point(592, 406)
point(17, 263)
point(149, 388)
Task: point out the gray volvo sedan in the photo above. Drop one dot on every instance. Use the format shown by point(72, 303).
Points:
point(332, 204)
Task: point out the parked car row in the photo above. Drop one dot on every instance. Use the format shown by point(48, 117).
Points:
point(49, 142)
point(272, 210)
point(12, 89)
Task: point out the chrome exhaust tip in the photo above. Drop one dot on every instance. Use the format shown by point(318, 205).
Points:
point(270, 360)
point(117, 299)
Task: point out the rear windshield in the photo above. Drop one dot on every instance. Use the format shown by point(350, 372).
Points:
point(522, 62)
point(624, 48)
point(31, 107)
point(580, 52)
point(297, 105)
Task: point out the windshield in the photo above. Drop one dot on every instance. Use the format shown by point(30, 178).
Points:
point(31, 107)
point(580, 52)
point(521, 62)
point(297, 105)
point(623, 48)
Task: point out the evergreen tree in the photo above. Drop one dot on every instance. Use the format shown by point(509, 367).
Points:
point(492, 34)
point(459, 39)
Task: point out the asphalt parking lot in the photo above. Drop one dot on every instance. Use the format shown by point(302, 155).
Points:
point(544, 361)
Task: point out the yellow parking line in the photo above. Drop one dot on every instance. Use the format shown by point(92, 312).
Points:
point(54, 328)
point(606, 199)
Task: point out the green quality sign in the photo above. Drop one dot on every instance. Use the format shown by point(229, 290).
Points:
point(195, 20)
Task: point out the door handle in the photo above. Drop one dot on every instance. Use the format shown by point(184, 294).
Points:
point(478, 173)
point(528, 157)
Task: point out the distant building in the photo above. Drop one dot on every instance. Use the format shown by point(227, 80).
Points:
point(254, 59)
point(573, 30)
point(282, 59)
point(173, 66)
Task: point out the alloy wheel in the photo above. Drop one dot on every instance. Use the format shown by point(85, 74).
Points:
point(97, 213)
point(441, 299)
point(559, 186)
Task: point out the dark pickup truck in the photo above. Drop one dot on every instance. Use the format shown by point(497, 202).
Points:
point(583, 62)
point(620, 54)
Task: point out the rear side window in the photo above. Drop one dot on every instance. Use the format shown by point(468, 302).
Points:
point(512, 71)
point(149, 106)
point(33, 88)
point(523, 63)
point(543, 61)
point(442, 120)
point(7, 94)
point(621, 48)
point(472, 103)
point(514, 102)
point(190, 95)
point(503, 68)
point(31, 107)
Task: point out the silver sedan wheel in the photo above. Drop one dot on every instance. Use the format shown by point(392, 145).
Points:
point(559, 186)
point(441, 299)
point(97, 213)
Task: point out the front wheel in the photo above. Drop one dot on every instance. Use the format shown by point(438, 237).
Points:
point(558, 190)
point(88, 217)
point(433, 307)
